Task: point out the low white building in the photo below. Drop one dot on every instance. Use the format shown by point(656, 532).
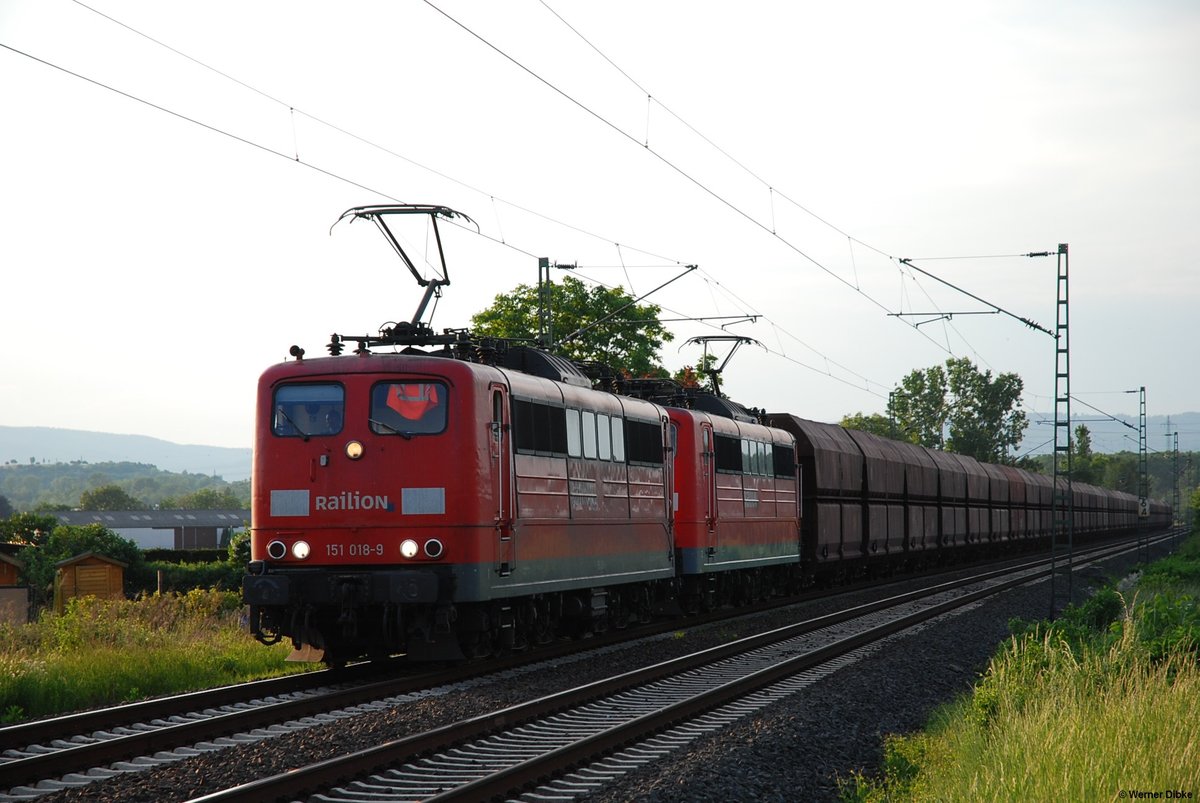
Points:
point(165, 529)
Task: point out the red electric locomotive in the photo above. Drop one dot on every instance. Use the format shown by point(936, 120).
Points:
point(737, 500)
point(403, 502)
point(451, 502)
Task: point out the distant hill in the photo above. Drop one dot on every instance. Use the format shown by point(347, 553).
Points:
point(49, 445)
point(1109, 437)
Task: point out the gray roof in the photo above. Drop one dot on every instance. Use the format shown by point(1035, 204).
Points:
point(85, 555)
point(155, 519)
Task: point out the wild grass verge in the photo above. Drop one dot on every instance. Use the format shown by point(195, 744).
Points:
point(105, 652)
point(1099, 705)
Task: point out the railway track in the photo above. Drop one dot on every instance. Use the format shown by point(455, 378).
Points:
point(74, 750)
point(503, 752)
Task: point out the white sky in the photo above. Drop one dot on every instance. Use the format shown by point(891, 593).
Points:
point(151, 268)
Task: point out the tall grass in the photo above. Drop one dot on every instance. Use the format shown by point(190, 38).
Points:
point(1100, 705)
point(104, 652)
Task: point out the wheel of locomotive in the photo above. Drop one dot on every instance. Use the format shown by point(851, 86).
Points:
point(537, 626)
point(473, 645)
point(334, 658)
point(618, 610)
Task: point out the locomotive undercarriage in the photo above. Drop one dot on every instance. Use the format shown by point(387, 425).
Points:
point(334, 619)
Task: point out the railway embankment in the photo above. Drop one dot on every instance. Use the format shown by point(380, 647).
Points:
point(1100, 704)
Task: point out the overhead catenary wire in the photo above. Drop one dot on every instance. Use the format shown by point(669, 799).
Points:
point(293, 111)
point(773, 191)
point(947, 325)
point(500, 240)
point(667, 162)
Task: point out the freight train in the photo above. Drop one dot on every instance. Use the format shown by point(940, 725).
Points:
point(448, 498)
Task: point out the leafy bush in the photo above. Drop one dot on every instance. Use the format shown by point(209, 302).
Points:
point(166, 555)
point(239, 548)
point(185, 577)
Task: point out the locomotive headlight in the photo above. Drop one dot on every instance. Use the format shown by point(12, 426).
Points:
point(354, 450)
point(433, 548)
point(408, 548)
point(276, 550)
point(300, 550)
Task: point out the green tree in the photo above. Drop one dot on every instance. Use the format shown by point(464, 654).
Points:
point(1086, 466)
point(628, 341)
point(204, 499)
point(875, 423)
point(27, 528)
point(67, 541)
point(6, 508)
point(985, 421)
point(1121, 473)
point(108, 497)
point(961, 409)
point(919, 407)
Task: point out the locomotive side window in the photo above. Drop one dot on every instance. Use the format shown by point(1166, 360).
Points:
point(574, 439)
point(596, 436)
point(589, 434)
point(644, 442)
point(302, 411)
point(522, 418)
point(728, 453)
point(604, 436)
point(408, 408)
point(618, 440)
point(539, 428)
point(551, 429)
point(784, 461)
point(763, 465)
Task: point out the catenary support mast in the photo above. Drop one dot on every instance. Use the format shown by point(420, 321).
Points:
point(1062, 511)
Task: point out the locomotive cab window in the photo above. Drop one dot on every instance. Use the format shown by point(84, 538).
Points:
point(304, 411)
point(408, 408)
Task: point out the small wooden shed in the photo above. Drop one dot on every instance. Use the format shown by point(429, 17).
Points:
point(10, 570)
point(14, 598)
point(89, 574)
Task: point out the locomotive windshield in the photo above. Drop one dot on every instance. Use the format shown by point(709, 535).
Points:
point(302, 411)
point(408, 408)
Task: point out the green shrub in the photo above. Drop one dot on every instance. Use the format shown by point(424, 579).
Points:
point(184, 577)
